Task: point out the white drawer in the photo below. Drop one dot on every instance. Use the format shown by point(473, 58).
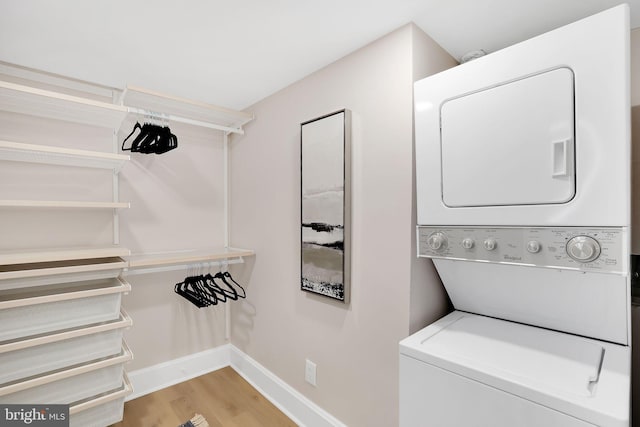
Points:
point(36, 310)
point(33, 356)
point(69, 385)
point(101, 411)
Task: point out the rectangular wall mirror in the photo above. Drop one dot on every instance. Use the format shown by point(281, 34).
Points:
point(326, 205)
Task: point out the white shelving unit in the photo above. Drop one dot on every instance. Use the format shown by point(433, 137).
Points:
point(44, 103)
point(65, 302)
point(32, 153)
point(78, 267)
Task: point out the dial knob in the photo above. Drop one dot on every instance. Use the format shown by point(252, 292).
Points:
point(583, 248)
point(490, 244)
point(437, 241)
point(533, 246)
point(468, 243)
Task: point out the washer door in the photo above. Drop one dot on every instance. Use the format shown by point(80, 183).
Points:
point(512, 144)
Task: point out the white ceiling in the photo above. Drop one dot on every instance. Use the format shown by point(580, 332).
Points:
point(236, 52)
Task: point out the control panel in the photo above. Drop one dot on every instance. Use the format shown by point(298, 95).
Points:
point(595, 249)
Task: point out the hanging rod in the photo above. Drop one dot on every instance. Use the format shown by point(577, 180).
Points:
point(201, 264)
point(179, 119)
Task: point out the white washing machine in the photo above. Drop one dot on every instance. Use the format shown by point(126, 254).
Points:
point(523, 186)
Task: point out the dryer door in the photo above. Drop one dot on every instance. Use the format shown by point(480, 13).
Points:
point(511, 144)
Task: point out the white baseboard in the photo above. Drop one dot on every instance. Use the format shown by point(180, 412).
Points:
point(162, 375)
point(296, 406)
point(301, 410)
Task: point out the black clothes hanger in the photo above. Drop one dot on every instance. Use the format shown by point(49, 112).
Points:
point(233, 285)
point(228, 291)
point(198, 285)
point(195, 299)
point(151, 139)
point(205, 290)
point(209, 291)
point(213, 287)
point(191, 290)
point(166, 142)
point(227, 275)
point(135, 127)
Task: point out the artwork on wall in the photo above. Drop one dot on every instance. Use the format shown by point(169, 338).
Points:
point(326, 206)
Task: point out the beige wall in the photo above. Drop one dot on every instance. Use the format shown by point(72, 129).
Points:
point(355, 346)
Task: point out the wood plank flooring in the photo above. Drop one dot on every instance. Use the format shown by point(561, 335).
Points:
point(223, 397)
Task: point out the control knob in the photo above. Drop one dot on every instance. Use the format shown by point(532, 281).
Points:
point(467, 243)
point(437, 241)
point(490, 244)
point(533, 246)
point(583, 248)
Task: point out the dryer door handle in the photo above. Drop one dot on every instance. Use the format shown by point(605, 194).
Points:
point(562, 158)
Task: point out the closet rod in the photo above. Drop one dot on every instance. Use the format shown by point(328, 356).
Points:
point(179, 119)
point(207, 264)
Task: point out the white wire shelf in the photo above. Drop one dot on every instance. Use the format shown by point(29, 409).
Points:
point(144, 101)
point(33, 153)
point(44, 103)
point(186, 257)
point(62, 204)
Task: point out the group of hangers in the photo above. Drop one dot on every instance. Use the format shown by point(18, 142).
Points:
point(151, 138)
point(205, 290)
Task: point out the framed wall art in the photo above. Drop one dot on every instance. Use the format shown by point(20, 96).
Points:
point(325, 149)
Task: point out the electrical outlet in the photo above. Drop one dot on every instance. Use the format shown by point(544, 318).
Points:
point(310, 372)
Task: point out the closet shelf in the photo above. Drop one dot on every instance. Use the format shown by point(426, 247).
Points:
point(59, 268)
point(186, 257)
point(52, 294)
point(39, 263)
point(143, 101)
point(44, 103)
point(62, 204)
point(63, 254)
point(32, 153)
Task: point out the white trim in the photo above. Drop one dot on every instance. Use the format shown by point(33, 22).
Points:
point(299, 408)
point(156, 377)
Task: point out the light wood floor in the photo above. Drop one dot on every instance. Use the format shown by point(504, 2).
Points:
point(223, 397)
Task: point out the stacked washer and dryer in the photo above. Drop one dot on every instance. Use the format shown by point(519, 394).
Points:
point(523, 187)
